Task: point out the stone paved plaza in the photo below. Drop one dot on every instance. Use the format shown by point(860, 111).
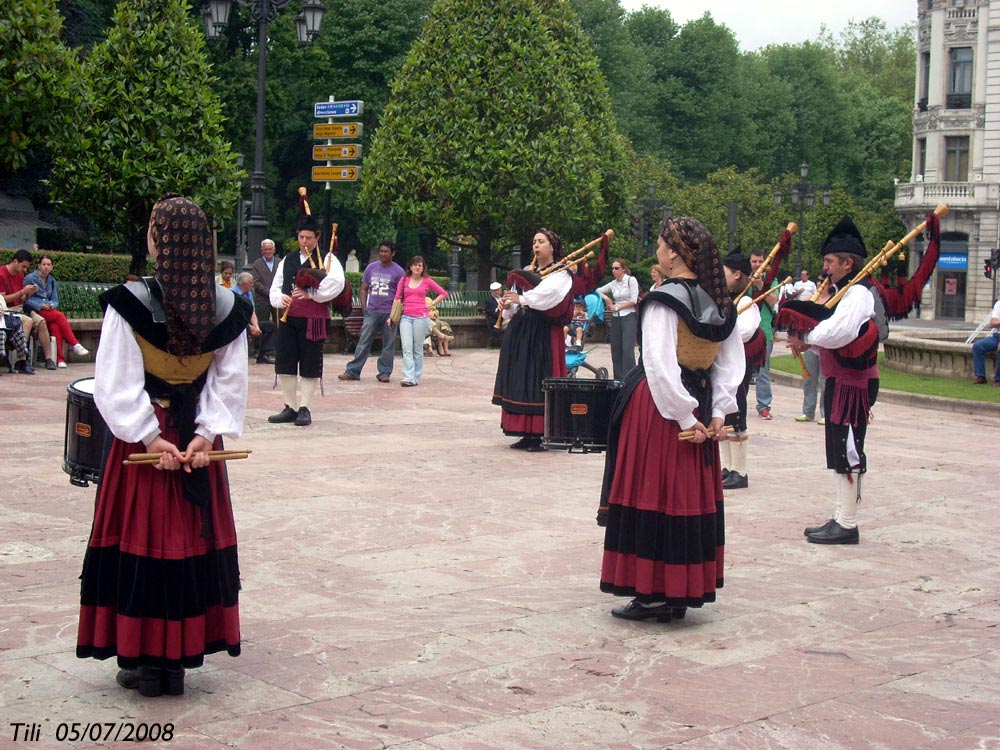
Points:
point(411, 583)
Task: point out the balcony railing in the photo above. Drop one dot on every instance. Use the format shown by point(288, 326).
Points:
point(958, 101)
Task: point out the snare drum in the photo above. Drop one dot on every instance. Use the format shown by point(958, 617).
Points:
point(578, 412)
point(87, 436)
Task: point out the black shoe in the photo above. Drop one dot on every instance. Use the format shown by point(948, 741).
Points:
point(735, 481)
point(150, 682)
point(677, 613)
point(50, 365)
point(521, 444)
point(303, 418)
point(835, 534)
point(382, 378)
point(602, 518)
point(264, 359)
point(534, 445)
point(635, 611)
point(128, 678)
point(725, 474)
point(816, 529)
point(288, 414)
point(22, 366)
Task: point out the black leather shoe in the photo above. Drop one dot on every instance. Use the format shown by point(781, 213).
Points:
point(677, 613)
point(602, 518)
point(725, 474)
point(816, 529)
point(303, 418)
point(534, 445)
point(521, 444)
point(265, 360)
point(735, 481)
point(128, 678)
point(635, 611)
point(288, 414)
point(835, 534)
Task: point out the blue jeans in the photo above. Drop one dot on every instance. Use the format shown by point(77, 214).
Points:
point(412, 332)
point(812, 386)
point(373, 324)
point(979, 351)
point(763, 388)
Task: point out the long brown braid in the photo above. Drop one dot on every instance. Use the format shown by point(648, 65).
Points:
point(184, 269)
point(689, 238)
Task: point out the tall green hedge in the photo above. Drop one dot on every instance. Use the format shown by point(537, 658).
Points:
point(106, 269)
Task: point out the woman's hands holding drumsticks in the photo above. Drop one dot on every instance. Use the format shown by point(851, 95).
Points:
point(171, 459)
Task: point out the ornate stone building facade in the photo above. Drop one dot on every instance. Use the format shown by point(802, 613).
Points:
point(956, 151)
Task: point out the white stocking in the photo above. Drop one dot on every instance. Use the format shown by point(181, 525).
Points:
point(726, 454)
point(287, 383)
point(740, 457)
point(308, 388)
point(848, 499)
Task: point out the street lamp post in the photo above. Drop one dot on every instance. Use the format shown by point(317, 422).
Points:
point(803, 194)
point(263, 12)
point(650, 215)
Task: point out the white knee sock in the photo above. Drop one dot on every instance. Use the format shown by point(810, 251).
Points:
point(739, 450)
point(848, 500)
point(726, 454)
point(307, 389)
point(287, 383)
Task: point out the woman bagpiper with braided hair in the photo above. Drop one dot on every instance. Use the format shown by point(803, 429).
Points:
point(662, 496)
point(160, 577)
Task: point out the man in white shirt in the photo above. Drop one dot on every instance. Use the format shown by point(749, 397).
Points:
point(848, 345)
point(805, 287)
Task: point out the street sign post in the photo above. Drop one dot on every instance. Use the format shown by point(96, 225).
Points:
point(337, 151)
point(335, 174)
point(323, 130)
point(346, 108)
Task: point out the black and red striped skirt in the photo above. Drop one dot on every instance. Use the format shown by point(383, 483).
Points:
point(665, 536)
point(153, 591)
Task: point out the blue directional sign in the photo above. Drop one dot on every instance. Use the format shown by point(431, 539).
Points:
point(346, 108)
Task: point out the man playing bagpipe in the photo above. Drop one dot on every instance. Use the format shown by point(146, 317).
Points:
point(304, 284)
point(847, 340)
point(736, 267)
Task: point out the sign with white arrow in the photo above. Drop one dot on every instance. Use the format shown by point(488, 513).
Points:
point(335, 174)
point(346, 108)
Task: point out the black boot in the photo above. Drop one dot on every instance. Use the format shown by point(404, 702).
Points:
point(172, 682)
point(150, 682)
point(128, 678)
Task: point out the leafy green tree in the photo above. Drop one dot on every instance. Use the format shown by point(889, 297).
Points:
point(37, 75)
point(151, 124)
point(498, 122)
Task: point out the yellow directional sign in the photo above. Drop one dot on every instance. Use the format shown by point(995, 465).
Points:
point(335, 174)
point(337, 151)
point(337, 130)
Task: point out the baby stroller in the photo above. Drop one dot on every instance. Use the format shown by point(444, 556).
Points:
point(577, 358)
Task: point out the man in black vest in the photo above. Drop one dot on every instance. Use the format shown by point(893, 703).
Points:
point(302, 331)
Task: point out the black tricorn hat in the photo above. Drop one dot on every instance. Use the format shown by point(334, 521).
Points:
point(737, 261)
point(845, 238)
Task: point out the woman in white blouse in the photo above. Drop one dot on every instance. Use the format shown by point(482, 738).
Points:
point(621, 297)
point(160, 577)
point(662, 497)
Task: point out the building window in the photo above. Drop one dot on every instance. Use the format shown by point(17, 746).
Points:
point(959, 78)
point(956, 164)
point(921, 156)
point(925, 77)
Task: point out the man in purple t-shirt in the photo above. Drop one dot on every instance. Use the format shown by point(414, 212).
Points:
point(378, 287)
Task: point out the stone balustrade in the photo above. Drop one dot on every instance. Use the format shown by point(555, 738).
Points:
point(926, 352)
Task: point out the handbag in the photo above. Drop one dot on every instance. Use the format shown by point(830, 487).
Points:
point(396, 312)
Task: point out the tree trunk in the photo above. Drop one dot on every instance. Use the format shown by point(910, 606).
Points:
point(138, 221)
point(484, 254)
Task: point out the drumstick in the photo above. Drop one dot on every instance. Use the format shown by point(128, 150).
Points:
point(689, 434)
point(155, 458)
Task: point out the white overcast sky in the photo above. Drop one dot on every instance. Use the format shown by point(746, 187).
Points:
point(757, 23)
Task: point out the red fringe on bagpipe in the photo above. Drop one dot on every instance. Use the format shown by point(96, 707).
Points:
point(801, 316)
point(784, 247)
point(756, 350)
point(899, 300)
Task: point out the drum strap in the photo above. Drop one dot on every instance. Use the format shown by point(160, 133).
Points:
point(155, 299)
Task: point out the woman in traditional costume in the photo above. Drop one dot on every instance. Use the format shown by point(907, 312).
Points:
point(160, 577)
point(662, 497)
point(533, 346)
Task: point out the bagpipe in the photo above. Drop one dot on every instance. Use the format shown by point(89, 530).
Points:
point(528, 278)
point(311, 276)
point(799, 317)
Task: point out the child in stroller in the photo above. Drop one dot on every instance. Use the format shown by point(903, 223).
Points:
point(587, 311)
